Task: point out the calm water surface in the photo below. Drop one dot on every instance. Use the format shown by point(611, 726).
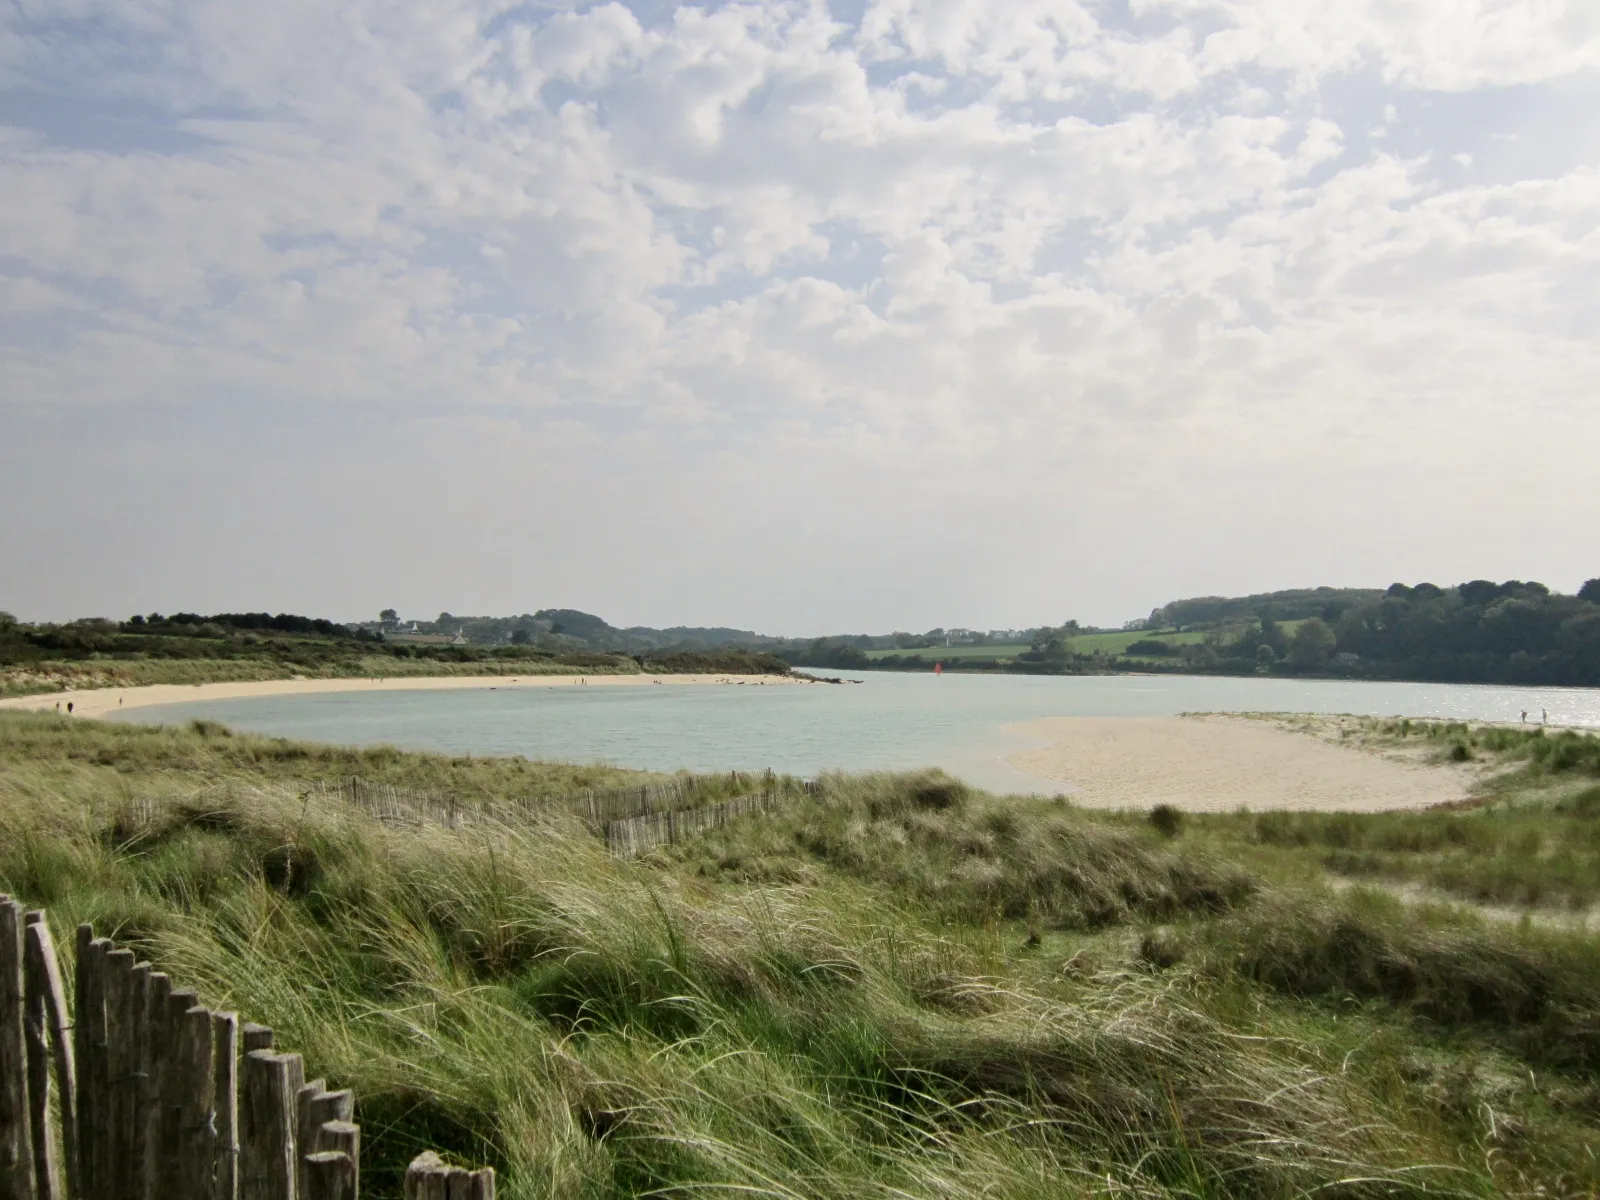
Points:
point(887, 721)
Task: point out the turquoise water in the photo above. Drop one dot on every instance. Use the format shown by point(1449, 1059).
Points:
point(888, 721)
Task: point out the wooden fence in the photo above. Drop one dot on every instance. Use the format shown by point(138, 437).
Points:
point(599, 807)
point(634, 836)
point(138, 1092)
point(632, 819)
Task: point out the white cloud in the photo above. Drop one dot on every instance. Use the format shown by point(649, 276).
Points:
point(1069, 262)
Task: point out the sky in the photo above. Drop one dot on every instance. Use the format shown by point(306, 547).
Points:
point(801, 317)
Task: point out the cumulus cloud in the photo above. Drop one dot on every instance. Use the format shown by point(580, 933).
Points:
point(985, 278)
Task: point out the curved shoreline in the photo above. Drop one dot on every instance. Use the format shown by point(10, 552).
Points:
point(100, 702)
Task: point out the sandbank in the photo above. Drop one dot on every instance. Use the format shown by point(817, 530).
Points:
point(100, 702)
point(1216, 763)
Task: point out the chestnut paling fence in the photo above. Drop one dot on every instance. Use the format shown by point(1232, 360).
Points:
point(631, 819)
point(139, 1092)
point(598, 807)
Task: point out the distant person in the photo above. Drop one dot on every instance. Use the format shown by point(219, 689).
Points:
point(1524, 716)
point(69, 708)
point(58, 706)
point(1544, 715)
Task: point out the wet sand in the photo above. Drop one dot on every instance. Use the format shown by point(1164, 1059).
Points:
point(1221, 763)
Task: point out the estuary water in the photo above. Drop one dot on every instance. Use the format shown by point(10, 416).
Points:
point(887, 721)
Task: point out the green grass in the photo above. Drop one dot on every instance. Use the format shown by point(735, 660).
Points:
point(996, 651)
point(1530, 839)
point(898, 987)
point(1085, 643)
point(1117, 642)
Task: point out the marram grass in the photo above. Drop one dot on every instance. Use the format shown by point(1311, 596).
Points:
point(895, 989)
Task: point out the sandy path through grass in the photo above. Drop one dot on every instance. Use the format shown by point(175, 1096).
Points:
point(1221, 763)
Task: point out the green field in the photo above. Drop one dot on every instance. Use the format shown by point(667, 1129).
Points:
point(1116, 643)
point(896, 987)
point(946, 653)
point(1084, 643)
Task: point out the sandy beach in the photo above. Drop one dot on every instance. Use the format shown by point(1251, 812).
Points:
point(98, 702)
point(1222, 763)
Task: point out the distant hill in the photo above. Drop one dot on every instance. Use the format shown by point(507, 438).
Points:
point(1293, 604)
point(1518, 631)
point(1480, 631)
point(190, 648)
point(573, 629)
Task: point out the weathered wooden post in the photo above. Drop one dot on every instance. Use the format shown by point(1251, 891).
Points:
point(269, 1084)
point(427, 1178)
point(157, 1122)
point(17, 1180)
point(43, 974)
point(192, 1073)
point(138, 1126)
point(225, 1088)
point(304, 1096)
point(37, 1032)
point(343, 1136)
point(315, 1108)
point(328, 1175)
point(89, 1043)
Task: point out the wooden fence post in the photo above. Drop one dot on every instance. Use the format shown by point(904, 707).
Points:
point(43, 972)
point(343, 1136)
point(269, 1083)
point(127, 1034)
point(225, 1073)
point(426, 1177)
point(157, 1122)
point(304, 1095)
point(192, 1073)
point(328, 1175)
point(315, 1106)
point(330, 1106)
point(17, 1180)
point(46, 1180)
point(89, 1041)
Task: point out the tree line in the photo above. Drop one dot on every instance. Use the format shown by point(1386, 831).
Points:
point(1475, 632)
point(315, 644)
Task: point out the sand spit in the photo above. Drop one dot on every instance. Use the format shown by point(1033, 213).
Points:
point(99, 702)
point(1217, 763)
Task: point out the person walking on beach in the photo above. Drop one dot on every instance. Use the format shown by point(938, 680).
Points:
point(1524, 716)
point(69, 708)
point(1544, 715)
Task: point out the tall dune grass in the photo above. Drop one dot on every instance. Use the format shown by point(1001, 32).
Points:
point(898, 989)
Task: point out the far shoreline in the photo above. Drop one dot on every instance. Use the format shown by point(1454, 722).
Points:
point(101, 702)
